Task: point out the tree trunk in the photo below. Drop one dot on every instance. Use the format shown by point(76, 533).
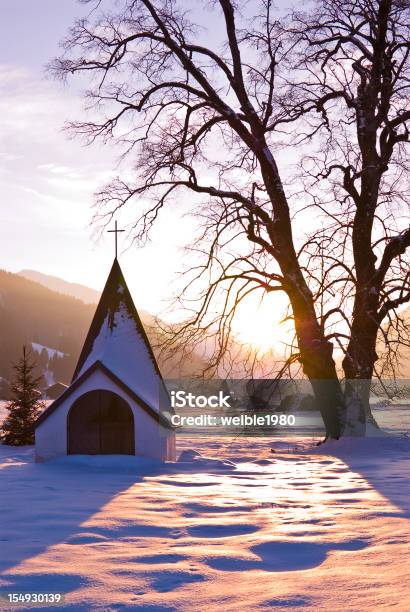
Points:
point(318, 365)
point(359, 419)
point(315, 351)
point(358, 366)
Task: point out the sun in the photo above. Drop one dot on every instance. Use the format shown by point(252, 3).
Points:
point(260, 324)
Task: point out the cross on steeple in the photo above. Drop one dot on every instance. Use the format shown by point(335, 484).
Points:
point(116, 232)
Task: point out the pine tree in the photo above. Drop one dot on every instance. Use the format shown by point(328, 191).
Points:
point(25, 406)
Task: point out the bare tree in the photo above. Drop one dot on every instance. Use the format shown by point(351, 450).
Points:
point(332, 87)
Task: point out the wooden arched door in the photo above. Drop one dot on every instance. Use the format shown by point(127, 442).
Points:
point(100, 423)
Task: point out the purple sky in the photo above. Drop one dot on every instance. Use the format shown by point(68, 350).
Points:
point(30, 31)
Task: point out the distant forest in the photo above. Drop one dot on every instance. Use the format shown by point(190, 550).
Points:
point(31, 313)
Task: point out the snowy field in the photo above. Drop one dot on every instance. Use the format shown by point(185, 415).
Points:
point(244, 529)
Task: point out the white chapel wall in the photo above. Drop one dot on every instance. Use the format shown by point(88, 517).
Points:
point(151, 440)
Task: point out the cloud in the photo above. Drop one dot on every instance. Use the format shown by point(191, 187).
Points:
point(47, 182)
point(12, 74)
point(35, 154)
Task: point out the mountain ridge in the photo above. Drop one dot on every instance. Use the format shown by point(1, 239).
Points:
point(34, 315)
point(60, 285)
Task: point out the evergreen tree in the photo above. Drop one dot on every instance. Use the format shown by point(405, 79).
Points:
point(25, 406)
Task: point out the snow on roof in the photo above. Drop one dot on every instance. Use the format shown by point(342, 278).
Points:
point(118, 340)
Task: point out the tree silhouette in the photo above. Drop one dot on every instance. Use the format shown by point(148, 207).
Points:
point(25, 406)
point(331, 88)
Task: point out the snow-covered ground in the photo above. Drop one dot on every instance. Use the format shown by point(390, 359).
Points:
point(244, 529)
point(51, 353)
point(3, 411)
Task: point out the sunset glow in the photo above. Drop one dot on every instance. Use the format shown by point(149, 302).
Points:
point(261, 324)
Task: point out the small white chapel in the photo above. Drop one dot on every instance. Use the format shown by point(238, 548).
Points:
point(112, 406)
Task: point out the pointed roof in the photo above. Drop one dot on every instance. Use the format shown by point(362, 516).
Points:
point(118, 340)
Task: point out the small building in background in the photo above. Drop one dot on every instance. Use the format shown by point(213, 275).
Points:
point(54, 391)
